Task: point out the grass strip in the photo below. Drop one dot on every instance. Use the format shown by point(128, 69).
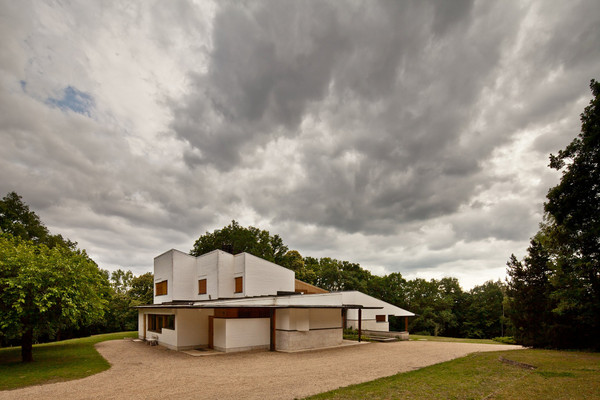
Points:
point(559, 375)
point(55, 362)
point(451, 339)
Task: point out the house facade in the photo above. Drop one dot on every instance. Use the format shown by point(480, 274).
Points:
point(242, 302)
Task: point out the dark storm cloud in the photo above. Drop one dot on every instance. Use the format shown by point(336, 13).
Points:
point(380, 65)
point(394, 90)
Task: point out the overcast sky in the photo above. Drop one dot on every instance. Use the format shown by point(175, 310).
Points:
point(409, 137)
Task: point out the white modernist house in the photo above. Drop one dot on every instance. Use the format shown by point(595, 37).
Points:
point(242, 302)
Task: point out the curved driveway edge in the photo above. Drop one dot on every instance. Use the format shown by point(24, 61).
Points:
point(143, 372)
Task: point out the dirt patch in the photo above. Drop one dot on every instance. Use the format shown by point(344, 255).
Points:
point(143, 372)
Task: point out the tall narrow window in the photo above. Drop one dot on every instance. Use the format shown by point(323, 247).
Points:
point(202, 286)
point(239, 284)
point(161, 288)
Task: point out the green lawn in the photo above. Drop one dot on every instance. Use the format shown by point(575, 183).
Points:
point(53, 362)
point(559, 375)
point(450, 339)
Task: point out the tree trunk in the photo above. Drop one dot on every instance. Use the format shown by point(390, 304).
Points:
point(27, 345)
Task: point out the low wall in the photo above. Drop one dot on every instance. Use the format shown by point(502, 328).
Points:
point(312, 339)
point(397, 335)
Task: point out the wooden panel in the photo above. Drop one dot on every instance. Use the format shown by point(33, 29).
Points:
point(202, 286)
point(380, 318)
point(161, 288)
point(239, 284)
point(211, 332)
point(226, 312)
point(243, 312)
point(307, 288)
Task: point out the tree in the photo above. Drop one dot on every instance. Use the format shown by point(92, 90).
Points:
point(529, 293)
point(434, 302)
point(555, 291)
point(483, 314)
point(573, 207)
point(142, 289)
point(43, 290)
point(237, 239)
point(17, 219)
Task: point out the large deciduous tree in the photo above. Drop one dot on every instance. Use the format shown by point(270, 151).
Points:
point(44, 289)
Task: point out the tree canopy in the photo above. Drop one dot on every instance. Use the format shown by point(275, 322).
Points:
point(18, 220)
point(43, 290)
point(237, 239)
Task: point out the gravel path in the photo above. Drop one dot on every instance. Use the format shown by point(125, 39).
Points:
point(143, 372)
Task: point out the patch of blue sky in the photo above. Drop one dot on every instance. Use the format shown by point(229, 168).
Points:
point(74, 100)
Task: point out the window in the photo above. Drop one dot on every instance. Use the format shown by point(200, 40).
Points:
point(380, 318)
point(158, 322)
point(202, 286)
point(239, 284)
point(161, 288)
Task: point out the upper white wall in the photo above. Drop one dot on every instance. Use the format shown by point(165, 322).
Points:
point(163, 271)
point(219, 268)
point(262, 277)
point(185, 286)
point(206, 268)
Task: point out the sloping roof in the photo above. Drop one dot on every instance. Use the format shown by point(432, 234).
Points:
point(356, 297)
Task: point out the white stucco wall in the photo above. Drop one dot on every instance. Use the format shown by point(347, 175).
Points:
point(369, 324)
point(185, 286)
point(206, 268)
point(321, 318)
point(225, 267)
point(240, 334)
point(306, 328)
point(192, 328)
point(266, 278)
point(163, 271)
point(219, 334)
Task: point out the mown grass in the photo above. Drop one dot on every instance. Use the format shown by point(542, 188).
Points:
point(54, 362)
point(450, 339)
point(559, 375)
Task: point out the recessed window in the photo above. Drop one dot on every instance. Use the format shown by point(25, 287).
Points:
point(158, 322)
point(380, 318)
point(161, 288)
point(202, 286)
point(239, 284)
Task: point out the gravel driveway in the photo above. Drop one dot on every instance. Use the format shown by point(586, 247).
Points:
point(143, 372)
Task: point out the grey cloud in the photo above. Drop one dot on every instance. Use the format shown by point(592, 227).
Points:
point(257, 89)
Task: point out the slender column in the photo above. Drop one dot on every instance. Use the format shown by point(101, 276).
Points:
point(273, 315)
point(406, 324)
point(359, 323)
